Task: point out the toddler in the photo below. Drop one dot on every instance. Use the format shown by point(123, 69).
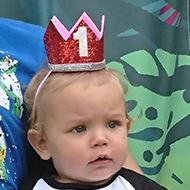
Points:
point(78, 118)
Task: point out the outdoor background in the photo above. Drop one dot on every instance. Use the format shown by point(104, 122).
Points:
point(148, 41)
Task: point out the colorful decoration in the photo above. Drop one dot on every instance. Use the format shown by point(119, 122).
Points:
point(9, 87)
point(3, 148)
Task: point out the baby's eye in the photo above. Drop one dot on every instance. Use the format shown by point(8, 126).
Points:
point(112, 124)
point(79, 129)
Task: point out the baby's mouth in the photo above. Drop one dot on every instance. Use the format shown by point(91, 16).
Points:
point(101, 160)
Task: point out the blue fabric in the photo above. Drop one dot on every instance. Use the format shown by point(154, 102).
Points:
point(21, 55)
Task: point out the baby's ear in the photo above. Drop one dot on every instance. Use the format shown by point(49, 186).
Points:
point(128, 125)
point(38, 142)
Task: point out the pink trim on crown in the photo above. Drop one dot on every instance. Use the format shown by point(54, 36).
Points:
point(65, 33)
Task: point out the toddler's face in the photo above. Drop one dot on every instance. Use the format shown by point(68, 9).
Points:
point(87, 133)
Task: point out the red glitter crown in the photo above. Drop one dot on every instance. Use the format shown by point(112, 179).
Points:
point(80, 49)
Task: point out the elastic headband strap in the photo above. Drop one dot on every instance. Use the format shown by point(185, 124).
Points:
point(41, 83)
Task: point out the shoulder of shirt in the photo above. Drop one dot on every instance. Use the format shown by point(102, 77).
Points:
point(29, 183)
point(139, 181)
